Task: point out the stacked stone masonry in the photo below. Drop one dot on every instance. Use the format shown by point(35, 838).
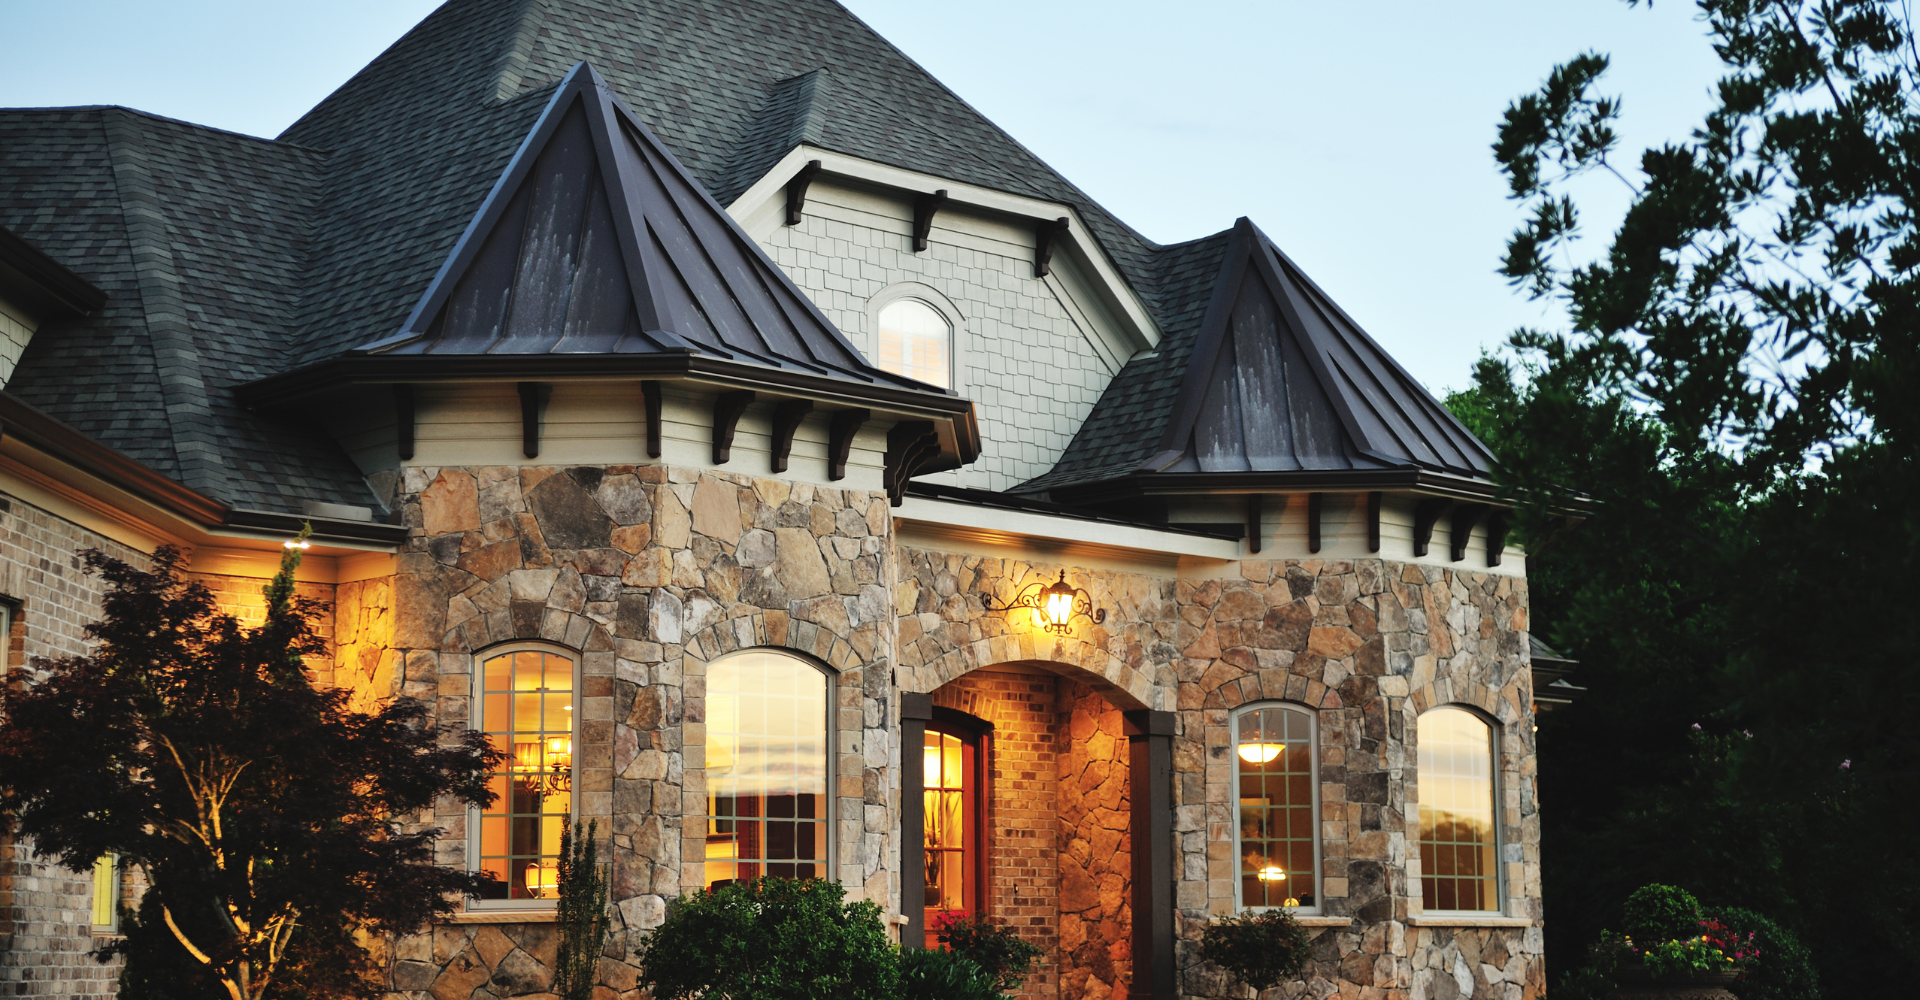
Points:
point(653, 572)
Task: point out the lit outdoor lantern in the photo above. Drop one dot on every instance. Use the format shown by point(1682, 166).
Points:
point(1056, 606)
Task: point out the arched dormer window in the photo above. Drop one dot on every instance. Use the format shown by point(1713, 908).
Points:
point(767, 769)
point(916, 340)
point(1459, 841)
point(524, 703)
point(1276, 779)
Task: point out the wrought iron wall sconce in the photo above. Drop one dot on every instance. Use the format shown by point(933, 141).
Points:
point(1055, 606)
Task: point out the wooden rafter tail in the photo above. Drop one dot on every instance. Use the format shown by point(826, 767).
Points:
point(1424, 517)
point(650, 396)
point(727, 408)
point(1373, 521)
point(1313, 521)
point(530, 419)
point(1254, 518)
point(797, 191)
point(1465, 518)
point(1497, 527)
point(787, 417)
point(924, 208)
point(846, 424)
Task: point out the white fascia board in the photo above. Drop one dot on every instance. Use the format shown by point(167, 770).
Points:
point(1048, 534)
point(768, 196)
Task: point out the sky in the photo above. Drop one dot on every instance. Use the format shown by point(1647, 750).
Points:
point(1356, 135)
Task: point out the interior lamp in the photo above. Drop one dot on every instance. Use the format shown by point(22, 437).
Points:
point(1260, 753)
point(542, 879)
point(1056, 606)
point(1273, 873)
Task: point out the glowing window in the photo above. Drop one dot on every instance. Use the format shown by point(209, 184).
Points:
point(766, 768)
point(1279, 830)
point(916, 341)
point(106, 895)
point(952, 778)
point(526, 710)
point(1457, 840)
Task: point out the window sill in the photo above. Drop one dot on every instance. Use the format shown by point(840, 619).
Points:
point(1310, 919)
point(543, 916)
point(1467, 920)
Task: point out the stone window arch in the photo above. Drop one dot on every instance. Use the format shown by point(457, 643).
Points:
point(1276, 838)
point(525, 698)
point(1459, 823)
point(769, 757)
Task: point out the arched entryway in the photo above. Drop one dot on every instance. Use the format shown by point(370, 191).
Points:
point(1045, 824)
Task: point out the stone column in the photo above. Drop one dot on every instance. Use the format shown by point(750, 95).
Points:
point(1150, 767)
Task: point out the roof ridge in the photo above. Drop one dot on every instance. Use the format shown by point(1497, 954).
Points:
point(176, 355)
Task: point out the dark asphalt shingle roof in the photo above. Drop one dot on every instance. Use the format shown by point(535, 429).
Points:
point(229, 258)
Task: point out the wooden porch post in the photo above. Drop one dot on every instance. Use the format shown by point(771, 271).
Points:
point(1150, 763)
point(915, 711)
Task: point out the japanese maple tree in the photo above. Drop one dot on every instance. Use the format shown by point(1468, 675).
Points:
point(274, 826)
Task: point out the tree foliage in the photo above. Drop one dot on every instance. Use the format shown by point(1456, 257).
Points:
point(582, 916)
point(271, 823)
point(1736, 393)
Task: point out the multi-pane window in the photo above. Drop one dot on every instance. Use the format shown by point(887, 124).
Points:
point(106, 894)
point(1279, 829)
point(951, 777)
point(766, 768)
point(916, 341)
point(526, 711)
point(1457, 840)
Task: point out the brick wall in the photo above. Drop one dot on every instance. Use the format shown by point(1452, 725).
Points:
point(1022, 360)
point(1022, 872)
point(45, 910)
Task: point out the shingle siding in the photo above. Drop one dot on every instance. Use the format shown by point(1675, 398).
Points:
point(1024, 362)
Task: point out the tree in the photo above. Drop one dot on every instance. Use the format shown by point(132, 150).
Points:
point(1740, 366)
point(271, 823)
point(582, 914)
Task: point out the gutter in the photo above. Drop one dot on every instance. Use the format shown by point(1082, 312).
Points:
point(32, 426)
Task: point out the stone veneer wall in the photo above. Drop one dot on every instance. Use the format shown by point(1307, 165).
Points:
point(1368, 644)
point(1023, 877)
point(651, 572)
point(1096, 847)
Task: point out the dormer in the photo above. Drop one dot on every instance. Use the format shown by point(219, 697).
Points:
point(35, 290)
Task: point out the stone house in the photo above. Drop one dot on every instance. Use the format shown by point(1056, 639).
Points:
point(797, 476)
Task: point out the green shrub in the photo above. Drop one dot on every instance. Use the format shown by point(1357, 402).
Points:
point(1656, 913)
point(1783, 969)
point(770, 939)
point(583, 919)
point(1003, 954)
point(1262, 950)
point(932, 974)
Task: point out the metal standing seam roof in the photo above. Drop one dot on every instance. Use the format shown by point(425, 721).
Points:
point(1275, 378)
point(595, 241)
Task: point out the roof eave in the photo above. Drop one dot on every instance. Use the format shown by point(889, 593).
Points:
point(41, 285)
point(415, 369)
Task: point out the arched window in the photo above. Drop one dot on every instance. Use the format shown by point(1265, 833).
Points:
point(916, 341)
point(954, 782)
point(767, 749)
point(1458, 844)
point(1276, 767)
point(525, 706)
